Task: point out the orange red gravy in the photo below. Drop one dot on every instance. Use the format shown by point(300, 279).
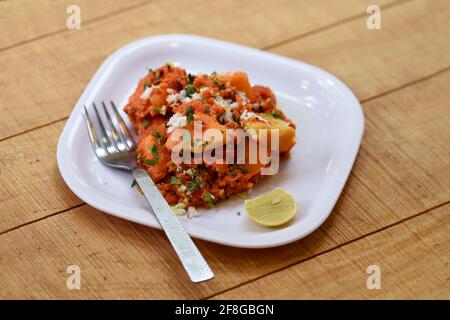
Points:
point(168, 98)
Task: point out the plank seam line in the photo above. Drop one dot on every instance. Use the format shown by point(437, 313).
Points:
point(390, 5)
point(332, 25)
point(328, 250)
point(87, 22)
point(348, 19)
point(35, 128)
point(41, 218)
point(266, 48)
point(399, 88)
point(407, 84)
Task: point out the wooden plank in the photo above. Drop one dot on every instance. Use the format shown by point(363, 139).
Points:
point(31, 186)
point(119, 259)
point(124, 260)
point(26, 20)
point(402, 167)
point(68, 60)
point(31, 19)
point(413, 259)
point(412, 43)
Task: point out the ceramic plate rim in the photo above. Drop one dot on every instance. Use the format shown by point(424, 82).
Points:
point(67, 173)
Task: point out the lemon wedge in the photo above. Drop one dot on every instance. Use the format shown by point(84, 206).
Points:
point(271, 209)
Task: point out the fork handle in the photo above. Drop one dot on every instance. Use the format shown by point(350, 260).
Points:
point(192, 260)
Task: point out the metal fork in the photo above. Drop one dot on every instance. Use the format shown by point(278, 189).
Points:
point(116, 148)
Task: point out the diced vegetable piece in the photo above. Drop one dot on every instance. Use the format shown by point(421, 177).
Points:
point(286, 132)
point(157, 99)
point(197, 146)
point(238, 80)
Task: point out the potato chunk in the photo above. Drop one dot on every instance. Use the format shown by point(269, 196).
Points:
point(286, 132)
point(238, 80)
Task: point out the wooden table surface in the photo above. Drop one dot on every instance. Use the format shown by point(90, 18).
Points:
point(394, 211)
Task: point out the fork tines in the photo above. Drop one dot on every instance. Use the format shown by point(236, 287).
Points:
point(108, 142)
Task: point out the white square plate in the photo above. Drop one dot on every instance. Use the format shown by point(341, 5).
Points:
point(329, 120)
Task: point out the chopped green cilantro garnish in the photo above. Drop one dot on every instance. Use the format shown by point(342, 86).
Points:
point(175, 180)
point(152, 162)
point(214, 76)
point(190, 78)
point(276, 115)
point(192, 172)
point(216, 80)
point(145, 123)
point(208, 197)
point(157, 74)
point(194, 183)
point(243, 169)
point(190, 90)
point(191, 186)
point(155, 152)
point(207, 110)
point(233, 170)
point(158, 136)
point(133, 183)
point(189, 114)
